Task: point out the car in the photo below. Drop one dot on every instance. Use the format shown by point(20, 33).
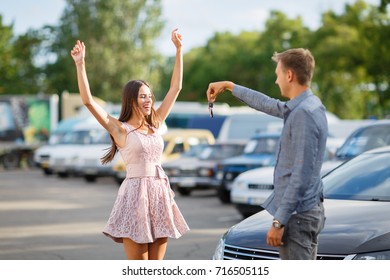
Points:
point(370, 136)
point(246, 122)
point(65, 156)
point(259, 151)
point(357, 205)
point(176, 142)
point(195, 169)
point(88, 162)
point(251, 188)
point(42, 153)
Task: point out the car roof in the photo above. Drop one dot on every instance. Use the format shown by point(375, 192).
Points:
point(266, 134)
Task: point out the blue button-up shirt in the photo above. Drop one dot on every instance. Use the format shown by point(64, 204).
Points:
point(297, 180)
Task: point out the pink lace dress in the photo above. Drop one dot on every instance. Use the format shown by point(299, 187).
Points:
point(144, 209)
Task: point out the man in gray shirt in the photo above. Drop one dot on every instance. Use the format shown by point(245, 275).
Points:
point(296, 203)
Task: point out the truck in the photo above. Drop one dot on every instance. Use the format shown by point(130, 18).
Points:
point(25, 123)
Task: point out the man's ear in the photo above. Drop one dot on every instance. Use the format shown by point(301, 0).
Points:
point(290, 75)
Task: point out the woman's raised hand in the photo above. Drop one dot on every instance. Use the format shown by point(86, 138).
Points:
point(78, 51)
point(176, 39)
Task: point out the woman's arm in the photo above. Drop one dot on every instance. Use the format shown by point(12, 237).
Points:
point(176, 80)
point(112, 125)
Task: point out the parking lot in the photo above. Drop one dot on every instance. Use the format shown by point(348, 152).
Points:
point(48, 218)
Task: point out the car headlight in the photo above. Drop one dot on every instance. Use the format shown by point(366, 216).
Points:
point(205, 172)
point(219, 250)
point(219, 175)
point(239, 185)
point(382, 255)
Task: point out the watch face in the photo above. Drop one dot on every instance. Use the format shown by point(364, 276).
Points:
point(276, 224)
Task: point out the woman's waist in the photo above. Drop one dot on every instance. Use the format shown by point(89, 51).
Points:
point(150, 169)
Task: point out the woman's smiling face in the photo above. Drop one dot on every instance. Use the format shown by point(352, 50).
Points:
point(145, 100)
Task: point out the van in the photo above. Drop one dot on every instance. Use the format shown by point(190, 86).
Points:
point(244, 125)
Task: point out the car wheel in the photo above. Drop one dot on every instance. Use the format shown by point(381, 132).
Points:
point(47, 171)
point(223, 195)
point(119, 180)
point(184, 191)
point(11, 160)
point(248, 210)
point(62, 174)
point(90, 178)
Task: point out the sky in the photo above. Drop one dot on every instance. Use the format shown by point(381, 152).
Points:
point(197, 20)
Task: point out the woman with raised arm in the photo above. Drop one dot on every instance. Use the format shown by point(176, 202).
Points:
point(144, 214)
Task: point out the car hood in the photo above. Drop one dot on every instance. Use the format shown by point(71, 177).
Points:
point(188, 163)
point(351, 227)
point(261, 175)
point(264, 159)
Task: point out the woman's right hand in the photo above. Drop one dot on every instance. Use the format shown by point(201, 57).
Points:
point(78, 52)
point(176, 38)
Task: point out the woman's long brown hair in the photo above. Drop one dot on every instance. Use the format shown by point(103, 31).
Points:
point(130, 107)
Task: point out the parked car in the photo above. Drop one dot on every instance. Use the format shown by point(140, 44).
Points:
point(259, 151)
point(65, 157)
point(42, 154)
point(88, 162)
point(367, 137)
point(251, 188)
point(357, 203)
point(195, 170)
point(243, 125)
point(176, 142)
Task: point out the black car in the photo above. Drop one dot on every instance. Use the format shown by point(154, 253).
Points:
point(357, 207)
point(259, 151)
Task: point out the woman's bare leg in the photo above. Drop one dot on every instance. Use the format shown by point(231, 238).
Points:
point(135, 251)
point(158, 248)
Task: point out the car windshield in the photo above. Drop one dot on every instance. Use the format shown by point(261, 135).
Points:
point(261, 146)
point(365, 139)
point(222, 151)
point(366, 177)
point(100, 137)
point(194, 151)
point(76, 137)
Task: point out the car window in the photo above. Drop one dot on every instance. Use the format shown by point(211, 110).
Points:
point(101, 137)
point(365, 139)
point(220, 151)
point(261, 146)
point(366, 177)
point(76, 137)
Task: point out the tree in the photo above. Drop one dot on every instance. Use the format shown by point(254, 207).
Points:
point(119, 37)
point(19, 75)
point(244, 58)
point(352, 60)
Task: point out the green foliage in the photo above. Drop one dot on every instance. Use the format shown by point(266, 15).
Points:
point(351, 52)
point(18, 73)
point(119, 37)
point(350, 48)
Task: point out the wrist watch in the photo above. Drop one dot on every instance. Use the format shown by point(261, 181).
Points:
point(276, 224)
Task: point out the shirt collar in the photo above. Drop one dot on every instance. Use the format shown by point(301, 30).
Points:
point(293, 103)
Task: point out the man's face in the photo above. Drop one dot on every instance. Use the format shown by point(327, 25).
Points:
point(282, 79)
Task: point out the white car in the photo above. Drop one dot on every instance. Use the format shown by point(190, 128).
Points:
point(88, 163)
point(65, 158)
point(251, 188)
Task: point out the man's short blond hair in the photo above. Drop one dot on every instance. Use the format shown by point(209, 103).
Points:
point(300, 61)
